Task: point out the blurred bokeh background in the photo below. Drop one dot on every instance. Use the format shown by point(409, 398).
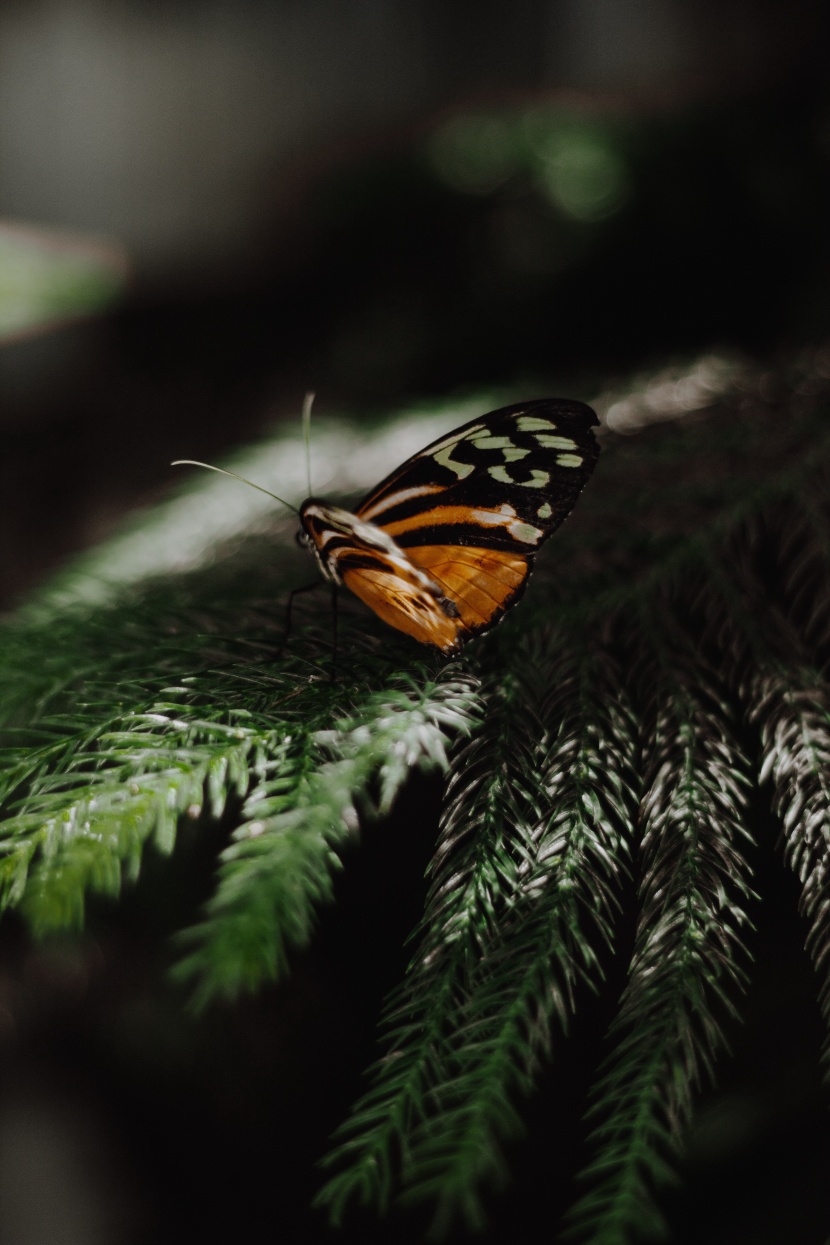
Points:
point(208, 207)
point(241, 201)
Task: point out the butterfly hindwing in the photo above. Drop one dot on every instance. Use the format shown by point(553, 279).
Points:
point(481, 583)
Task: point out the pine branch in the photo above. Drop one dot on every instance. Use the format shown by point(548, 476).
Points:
point(525, 881)
point(492, 798)
point(303, 808)
point(786, 698)
point(792, 710)
point(686, 961)
point(76, 827)
point(82, 807)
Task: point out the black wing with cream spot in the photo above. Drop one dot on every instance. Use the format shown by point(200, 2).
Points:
point(503, 481)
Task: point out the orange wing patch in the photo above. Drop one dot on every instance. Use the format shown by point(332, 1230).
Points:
point(481, 583)
point(405, 604)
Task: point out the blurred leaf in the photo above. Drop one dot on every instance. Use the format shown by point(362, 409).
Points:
point(48, 277)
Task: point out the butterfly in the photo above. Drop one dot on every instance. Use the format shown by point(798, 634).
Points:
point(444, 545)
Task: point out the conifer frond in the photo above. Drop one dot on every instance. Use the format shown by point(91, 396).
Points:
point(493, 798)
point(278, 869)
point(534, 840)
point(784, 695)
point(688, 954)
point(78, 827)
point(792, 711)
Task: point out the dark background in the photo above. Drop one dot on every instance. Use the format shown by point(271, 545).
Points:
point(386, 200)
point(382, 201)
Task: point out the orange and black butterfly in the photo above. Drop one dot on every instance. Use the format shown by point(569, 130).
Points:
point(445, 544)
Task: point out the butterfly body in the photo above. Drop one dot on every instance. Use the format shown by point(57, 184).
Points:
point(445, 544)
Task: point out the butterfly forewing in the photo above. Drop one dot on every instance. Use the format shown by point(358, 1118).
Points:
point(504, 481)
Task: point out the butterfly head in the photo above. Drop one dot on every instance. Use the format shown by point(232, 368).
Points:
point(326, 530)
point(313, 535)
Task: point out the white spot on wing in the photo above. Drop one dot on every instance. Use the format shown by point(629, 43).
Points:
point(556, 443)
point(569, 460)
point(544, 512)
point(526, 533)
point(538, 479)
point(444, 457)
point(534, 423)
point(487, 442)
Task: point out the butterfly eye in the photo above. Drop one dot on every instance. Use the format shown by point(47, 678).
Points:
point(303, 539)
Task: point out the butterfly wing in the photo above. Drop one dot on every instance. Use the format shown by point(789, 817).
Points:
point(503, 481)
point(404, 597)
point(472, 508)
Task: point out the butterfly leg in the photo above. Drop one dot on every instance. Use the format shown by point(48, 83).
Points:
point(333, 632)
point(295, 592)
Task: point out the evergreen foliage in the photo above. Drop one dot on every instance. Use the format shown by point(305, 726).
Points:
point(532, 842)
point(687, 959)
point(669, 657)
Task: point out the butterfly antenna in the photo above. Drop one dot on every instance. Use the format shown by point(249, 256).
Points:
point(307, 401)
point(192, 462)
